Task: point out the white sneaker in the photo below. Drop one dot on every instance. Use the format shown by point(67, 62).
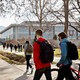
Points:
point(28, 73)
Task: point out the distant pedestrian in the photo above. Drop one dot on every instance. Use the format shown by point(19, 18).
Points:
point(28, 55)
point(41, 68)
point(19, 47)
point(11, 46)
point(4, 45)
point(15, 47)
point(7, 45)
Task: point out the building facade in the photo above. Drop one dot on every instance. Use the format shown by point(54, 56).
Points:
point(26, 29)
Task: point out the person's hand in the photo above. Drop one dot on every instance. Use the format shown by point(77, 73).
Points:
point(59, 65)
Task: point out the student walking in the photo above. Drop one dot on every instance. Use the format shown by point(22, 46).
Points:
point(11, 46)
point(40, 67)
point(64, 63)
point(15, 47)
point(28, 55)
point(4, 45)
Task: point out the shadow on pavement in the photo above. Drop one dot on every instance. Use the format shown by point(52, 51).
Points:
point(23, 77)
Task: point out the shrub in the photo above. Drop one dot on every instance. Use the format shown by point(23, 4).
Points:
point(13, 57)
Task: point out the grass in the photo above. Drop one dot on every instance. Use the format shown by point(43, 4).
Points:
point(79, 53)
point(57, 52)
point(18, 59)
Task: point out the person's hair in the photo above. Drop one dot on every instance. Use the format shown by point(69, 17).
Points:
point(39, 32)
point(27, 42)
point(62, 35)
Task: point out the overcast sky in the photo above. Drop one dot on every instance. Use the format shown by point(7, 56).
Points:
point(10, 20)
point(6, 21)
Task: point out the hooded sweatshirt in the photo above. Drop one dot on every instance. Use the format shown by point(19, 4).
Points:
point(63, 46)
point(36, 53)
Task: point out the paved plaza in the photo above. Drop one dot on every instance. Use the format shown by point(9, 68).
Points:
point(17, 72)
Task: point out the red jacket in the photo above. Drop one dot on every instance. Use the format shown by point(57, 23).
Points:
point(36, 52)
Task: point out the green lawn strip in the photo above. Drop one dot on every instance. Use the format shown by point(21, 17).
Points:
point(79, 53)
point(57, 52)
point(12, 58)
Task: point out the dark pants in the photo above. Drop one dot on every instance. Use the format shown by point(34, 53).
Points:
point(39, 73)
point(28, 57)
point(65, 71)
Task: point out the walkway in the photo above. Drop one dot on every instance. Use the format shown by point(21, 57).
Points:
point(17, 72)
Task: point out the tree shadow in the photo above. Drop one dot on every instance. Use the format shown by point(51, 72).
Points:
point(23, 77)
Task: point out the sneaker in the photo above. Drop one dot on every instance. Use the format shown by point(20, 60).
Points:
point(28, 73)
point(31, 70)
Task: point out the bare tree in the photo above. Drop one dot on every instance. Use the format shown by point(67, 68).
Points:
point(38, 8)
point(43, 11)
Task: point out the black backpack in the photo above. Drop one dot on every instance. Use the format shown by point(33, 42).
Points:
point(46, 52)
point(72, 51)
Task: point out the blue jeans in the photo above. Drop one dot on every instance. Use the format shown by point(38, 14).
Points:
point(39, 73)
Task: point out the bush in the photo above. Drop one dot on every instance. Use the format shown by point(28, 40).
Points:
point(14, 57)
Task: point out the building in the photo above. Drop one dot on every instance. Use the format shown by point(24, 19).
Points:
point(28, 28)
point(24, 30)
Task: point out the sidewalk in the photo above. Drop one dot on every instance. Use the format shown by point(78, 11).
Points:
point(9, 72)
point(13, 72)
point(16, 72)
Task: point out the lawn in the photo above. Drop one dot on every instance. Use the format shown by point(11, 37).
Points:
point(57, 52)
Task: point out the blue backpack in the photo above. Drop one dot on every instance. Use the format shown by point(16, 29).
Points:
point(46, 52)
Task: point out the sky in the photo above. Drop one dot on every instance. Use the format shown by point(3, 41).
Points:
point(6, 21)
point(9, 20)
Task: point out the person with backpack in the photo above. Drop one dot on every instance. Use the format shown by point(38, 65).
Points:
point(28, 55)
point(64, 62)
point(40, 65)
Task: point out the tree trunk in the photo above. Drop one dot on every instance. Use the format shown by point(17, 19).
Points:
point(66, 15)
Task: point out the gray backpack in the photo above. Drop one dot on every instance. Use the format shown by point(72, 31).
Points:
point(29, 48)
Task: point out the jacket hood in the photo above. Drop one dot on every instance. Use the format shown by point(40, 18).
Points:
point(64, 40)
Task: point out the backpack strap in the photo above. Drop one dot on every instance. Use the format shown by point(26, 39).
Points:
point(41, 42)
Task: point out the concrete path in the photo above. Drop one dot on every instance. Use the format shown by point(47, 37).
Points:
point(17, 72)
point(9, 72)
